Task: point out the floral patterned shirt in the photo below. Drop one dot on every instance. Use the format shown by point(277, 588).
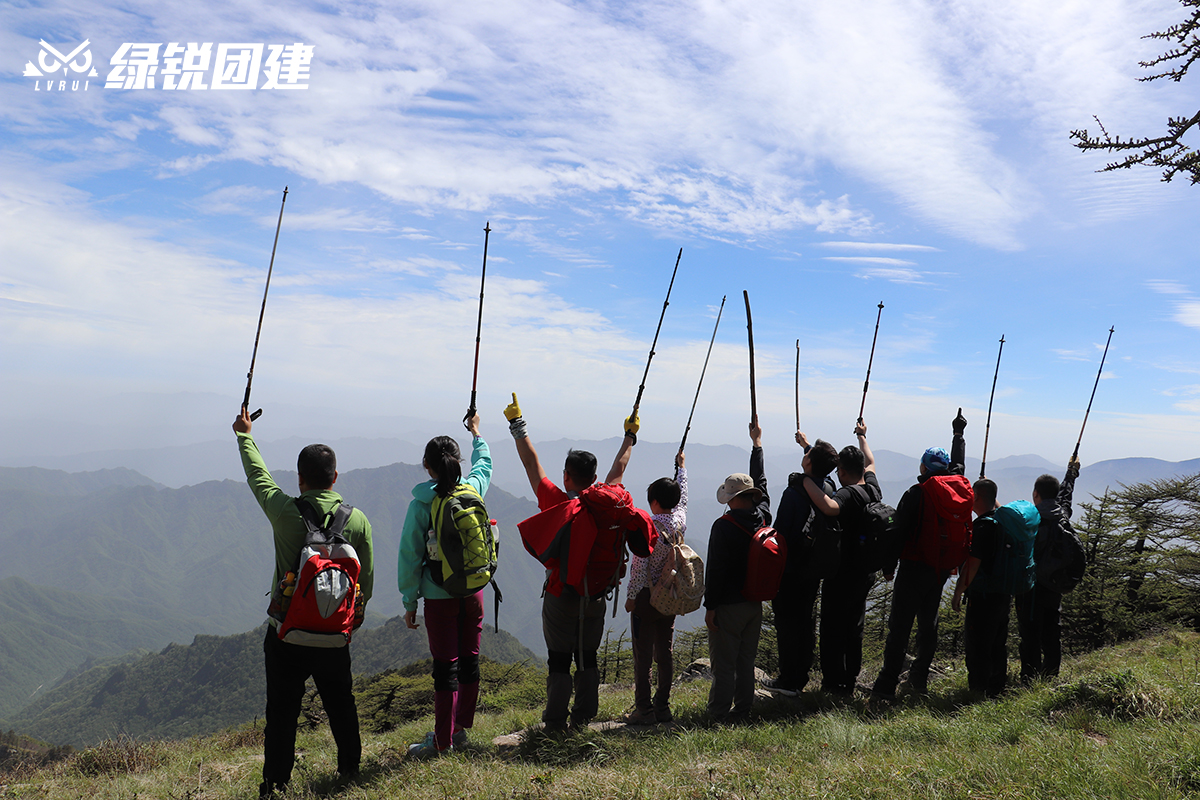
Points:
point(644, 572)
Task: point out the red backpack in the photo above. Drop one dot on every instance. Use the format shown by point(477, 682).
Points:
point(945, 535)
point(321, 610)
point(765, 561)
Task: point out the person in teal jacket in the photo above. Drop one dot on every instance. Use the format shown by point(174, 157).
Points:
point(288, 666)
point(454, 624)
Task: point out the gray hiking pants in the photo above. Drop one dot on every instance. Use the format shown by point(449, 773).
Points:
point(732, 649)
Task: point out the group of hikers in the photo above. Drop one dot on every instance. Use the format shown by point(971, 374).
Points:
point(827, 541)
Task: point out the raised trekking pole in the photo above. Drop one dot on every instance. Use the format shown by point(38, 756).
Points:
point(750, 336)
point(988, 428)
point(1075, 455)
point(262, 311)
point(797, 384)
point(702, 371)
point(870, 361)
point(637, 402)
point(487, 229)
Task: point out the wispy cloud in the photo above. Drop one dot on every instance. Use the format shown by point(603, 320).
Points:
point(717, 118)
point(895, 262)
point(1186, 304)
point(880, 247)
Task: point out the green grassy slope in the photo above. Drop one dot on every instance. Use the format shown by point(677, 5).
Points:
point(1120, 723)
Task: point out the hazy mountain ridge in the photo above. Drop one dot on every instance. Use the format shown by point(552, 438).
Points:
point(139, 566)
point(208, 685)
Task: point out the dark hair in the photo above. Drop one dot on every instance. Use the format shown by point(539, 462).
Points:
point(665, 491)
point(852, 460)
point(986, 489)
point(581, 466)
point(317, 465)
point(1047, 487)
point(442, 456)
point(824, 458)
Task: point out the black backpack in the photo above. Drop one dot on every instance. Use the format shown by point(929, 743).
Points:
point(880, 536)
point(814, 545)
point(1061, 562)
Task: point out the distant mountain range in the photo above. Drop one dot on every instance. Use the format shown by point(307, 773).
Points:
point(100, 563)
point(206, 686)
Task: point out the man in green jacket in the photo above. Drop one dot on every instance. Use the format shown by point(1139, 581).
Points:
point(288, 665)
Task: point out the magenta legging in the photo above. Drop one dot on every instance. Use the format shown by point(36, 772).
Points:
point(454, 627)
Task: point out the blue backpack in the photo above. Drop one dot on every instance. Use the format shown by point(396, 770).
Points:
point(1013, 571)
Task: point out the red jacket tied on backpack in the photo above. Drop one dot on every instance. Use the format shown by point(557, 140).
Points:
point(587, 535)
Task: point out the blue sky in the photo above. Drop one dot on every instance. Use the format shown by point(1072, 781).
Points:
point(824, 157)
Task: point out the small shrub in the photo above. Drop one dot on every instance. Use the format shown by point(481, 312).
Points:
point(250, 735)
point(121, 755)
point(1116, 694)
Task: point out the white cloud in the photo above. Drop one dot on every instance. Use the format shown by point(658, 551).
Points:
point(877, 246)
point(715, 118)
point(894, 262)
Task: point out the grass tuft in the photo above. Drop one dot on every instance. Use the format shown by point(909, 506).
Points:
point(120, 755)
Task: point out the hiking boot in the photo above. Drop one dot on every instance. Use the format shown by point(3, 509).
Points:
point(267, 789)
point(778, 686)
point(426, 749)
point(880, 696)
point(640, 717)
point(664, 715)
point(459, 740)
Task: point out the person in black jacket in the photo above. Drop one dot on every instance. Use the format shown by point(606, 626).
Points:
point(844, 596)
point(734, 622)
point(813, 547)
point(917, 593)
point(1039, 610)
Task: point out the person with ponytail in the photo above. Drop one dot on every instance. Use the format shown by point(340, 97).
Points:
point(454, 624)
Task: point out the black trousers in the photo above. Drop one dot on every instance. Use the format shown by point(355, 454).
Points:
point(795, 628)
point(917, 596)
point(843, 618)
point(1038, 621)
point(288, 667)
point(985, 630)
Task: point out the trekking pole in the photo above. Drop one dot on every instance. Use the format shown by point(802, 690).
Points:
point(487, 229)
point(870, 361)
point(1075, 455)
point(988, 428)
point(750, 336)
point(666, 303)
point(262, 311)
point(797, 384)
point(705, 369)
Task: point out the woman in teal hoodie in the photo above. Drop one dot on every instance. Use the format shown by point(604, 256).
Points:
point(454, 624)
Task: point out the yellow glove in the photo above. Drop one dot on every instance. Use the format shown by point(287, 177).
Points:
point(632, 426)
point(512, 410)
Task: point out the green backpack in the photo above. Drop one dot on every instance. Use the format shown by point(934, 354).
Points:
point(467, 542)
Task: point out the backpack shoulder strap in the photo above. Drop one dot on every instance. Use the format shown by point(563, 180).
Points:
point(308, 514)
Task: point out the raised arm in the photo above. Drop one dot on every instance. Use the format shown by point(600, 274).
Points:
point(617, 473)
point(1066, 489)
point(528, 456)
point(958, 445)
point(758, 472)
point(860, 430)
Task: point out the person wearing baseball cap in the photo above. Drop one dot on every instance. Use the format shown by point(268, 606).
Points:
point(733, 621)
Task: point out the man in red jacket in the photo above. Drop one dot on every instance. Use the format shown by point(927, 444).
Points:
point(580, 536)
